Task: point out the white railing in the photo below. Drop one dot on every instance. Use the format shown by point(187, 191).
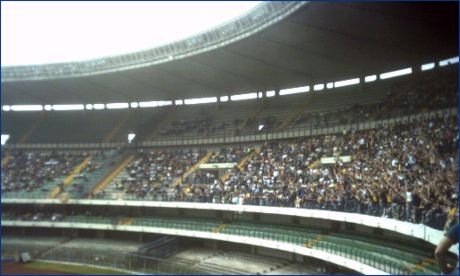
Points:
point(420, 231)
point(339, 260)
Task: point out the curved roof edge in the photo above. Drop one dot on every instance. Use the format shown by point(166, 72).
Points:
point(259, 18)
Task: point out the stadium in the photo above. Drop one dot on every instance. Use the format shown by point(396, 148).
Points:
point(293, 138)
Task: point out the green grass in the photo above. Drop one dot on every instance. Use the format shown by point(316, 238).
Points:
point(74, 269)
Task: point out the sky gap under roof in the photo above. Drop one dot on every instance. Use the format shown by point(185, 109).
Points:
point(238, 97)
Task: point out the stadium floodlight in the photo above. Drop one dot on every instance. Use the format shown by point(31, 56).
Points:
point(117, 105)
point(134, 105)
point(5, 138)
point(295, 90)
point(48, 107)
point(200, 100)
point(242, 97)
point(346, 82)
point(330, 85)
point(131, 137)
point(370, 78)
point(178, 102)
point(318, 87)
point(89, 106)
point(448, 61)
point(270, 93)
point(224, 99)
point(98, 106)
point(6, 108)
point(396, 73)
point(65, 107)
point(260, 95)
point(428, 66)
point(26, 107)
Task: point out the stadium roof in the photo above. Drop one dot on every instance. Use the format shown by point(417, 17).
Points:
point(318, 43)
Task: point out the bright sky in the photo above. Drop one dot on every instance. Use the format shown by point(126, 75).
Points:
point(48, 32)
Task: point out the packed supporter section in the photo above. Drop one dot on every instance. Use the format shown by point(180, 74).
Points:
point(406, 170)
point(153, 173)
point(37, 173)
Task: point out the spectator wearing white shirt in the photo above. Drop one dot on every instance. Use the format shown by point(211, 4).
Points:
point(409, 204)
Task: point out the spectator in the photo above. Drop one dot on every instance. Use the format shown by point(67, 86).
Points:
point(440, 253)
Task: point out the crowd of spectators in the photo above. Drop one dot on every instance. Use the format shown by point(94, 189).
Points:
point(401, 171)
point(229, 155)
point(30, 171)
point(153, 171)
point(224, 155)
point(407, 171)
point(202, 177)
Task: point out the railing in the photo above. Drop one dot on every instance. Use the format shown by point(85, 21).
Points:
point(26, 195)
point(257, 19)
point(294, 240)
point(417, 231)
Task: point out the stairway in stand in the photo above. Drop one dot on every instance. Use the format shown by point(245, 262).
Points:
point(110, 176)
point(56, 191)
